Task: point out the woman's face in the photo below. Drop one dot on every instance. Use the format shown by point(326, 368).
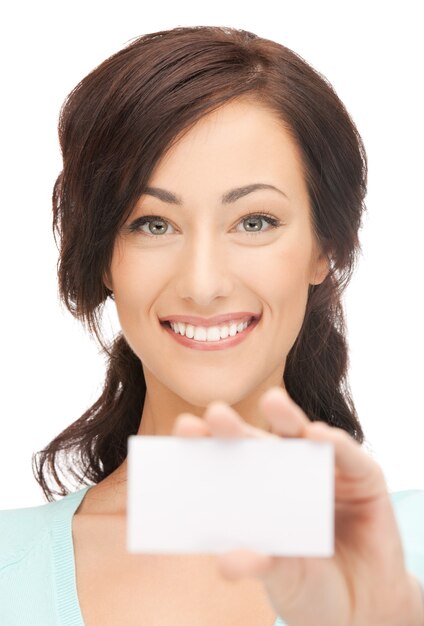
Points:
point(210, 258)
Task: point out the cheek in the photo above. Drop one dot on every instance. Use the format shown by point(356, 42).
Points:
point(131, 289)
point(286, 291)
point(284, 274)
point(277, 273)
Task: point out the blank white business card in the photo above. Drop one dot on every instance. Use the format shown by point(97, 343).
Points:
point(211, 495)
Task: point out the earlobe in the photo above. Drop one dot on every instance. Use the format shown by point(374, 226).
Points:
point(107, 282)
point(322, 269)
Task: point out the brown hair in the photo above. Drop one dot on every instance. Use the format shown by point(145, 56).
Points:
point(113, 128)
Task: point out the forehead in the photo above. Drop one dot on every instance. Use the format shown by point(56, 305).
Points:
point(239, 143)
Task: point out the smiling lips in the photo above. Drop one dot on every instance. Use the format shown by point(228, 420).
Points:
point(213, 333)
point(210, 338)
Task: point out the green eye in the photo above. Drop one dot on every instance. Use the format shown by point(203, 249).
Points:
point(272, 221)
point(151, 219)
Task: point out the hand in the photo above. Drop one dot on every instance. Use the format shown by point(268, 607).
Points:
point(366, 582)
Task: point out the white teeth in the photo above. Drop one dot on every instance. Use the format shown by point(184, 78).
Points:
point(224, 332)
point(213, 333)
point(200, 333)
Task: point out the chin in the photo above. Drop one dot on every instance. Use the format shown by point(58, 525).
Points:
point(201, 398)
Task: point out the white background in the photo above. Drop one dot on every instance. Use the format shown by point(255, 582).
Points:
point(372, 53)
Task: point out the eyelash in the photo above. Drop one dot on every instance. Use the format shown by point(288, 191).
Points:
point(146, 219)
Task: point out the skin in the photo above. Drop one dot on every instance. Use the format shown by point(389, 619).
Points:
point(208, 264)
point(365, 583)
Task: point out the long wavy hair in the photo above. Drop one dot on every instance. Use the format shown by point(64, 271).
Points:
point(114, 127)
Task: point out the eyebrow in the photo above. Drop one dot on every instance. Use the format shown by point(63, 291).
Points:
point(227, 198)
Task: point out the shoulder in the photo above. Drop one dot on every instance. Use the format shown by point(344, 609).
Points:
point(24, 528)
point(21, 529)
point(409, 505)
point(409, 510)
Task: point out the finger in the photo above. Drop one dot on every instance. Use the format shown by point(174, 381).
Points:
point(285, 417)
point(244, 563)
point(349, 457)
point(224, 421)
point(188, 425)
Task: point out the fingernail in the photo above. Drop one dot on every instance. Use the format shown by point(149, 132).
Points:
point(217, 404)
point(277, 390)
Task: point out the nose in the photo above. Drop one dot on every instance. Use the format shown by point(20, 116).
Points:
point(202, 270)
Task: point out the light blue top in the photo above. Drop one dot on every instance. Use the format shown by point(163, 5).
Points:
point(37, 566)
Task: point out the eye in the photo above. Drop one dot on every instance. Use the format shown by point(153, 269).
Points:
point(158, 222)
point(255, 219)
point(151, 221)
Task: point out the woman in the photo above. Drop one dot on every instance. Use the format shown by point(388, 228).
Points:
point(210, 178)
